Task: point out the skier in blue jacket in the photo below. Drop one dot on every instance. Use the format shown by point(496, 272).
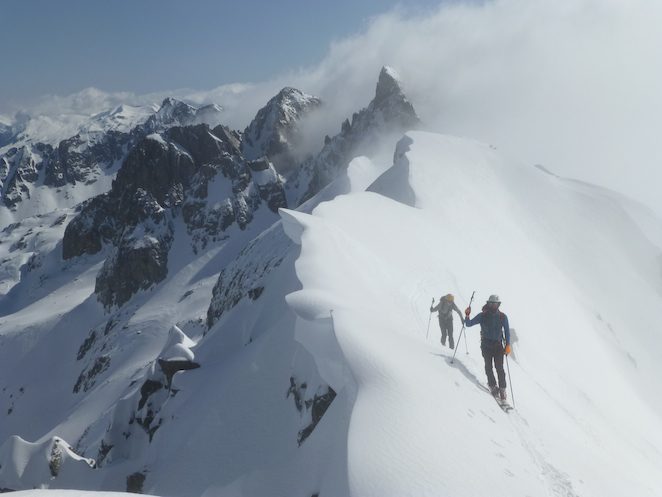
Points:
point(493, 329)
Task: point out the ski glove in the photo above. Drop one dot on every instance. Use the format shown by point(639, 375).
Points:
point(467, 311)
point(508, 349)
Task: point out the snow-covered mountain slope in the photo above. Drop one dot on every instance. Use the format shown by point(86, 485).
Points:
point(314, 373)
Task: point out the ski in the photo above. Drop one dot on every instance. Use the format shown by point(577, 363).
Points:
point(503, 404)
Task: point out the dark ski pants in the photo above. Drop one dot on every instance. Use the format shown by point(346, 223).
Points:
point(493, 353)
point(446, 326)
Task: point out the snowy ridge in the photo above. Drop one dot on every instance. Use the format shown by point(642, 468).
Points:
point(423, 419)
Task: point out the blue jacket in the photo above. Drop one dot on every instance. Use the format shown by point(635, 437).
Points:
point(492, 325)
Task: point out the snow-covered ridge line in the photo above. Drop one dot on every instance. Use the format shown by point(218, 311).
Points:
point(410, 401)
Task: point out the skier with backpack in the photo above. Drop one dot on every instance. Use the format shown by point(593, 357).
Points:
point(445, 307)
point(493, 329)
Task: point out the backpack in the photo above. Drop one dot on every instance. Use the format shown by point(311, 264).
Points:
point(445, 307)
point(499, 313)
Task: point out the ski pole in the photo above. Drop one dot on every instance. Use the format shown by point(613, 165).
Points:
point(512, 395)
point(462, 331)
point(429, 320)
point(466, 347)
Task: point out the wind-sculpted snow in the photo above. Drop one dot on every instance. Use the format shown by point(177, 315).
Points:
point(23, 462)
point(585, 364)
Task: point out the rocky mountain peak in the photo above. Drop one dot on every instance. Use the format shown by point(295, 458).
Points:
point(389, 113)
point(391, 100)
point(388, 84)
point(275, 130)
point(175, 111)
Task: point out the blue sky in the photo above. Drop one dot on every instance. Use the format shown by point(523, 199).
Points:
point(60, 47)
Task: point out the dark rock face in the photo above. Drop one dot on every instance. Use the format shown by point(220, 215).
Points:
point(312, 408)
point(158, 168)
point(94, 226)
point(318, 406)
point(190, 171)
point(172, 366)
point(275, 133)
point(87, 378)
point(389, 112)
point(132, 268)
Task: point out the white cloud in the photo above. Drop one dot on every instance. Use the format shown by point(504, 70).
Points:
point(572, 84)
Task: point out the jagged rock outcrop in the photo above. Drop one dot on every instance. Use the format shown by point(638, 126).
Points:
point(275, 132)
point(388, 113)
point(140, 258)
point(192, 171)
point(310, 407)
